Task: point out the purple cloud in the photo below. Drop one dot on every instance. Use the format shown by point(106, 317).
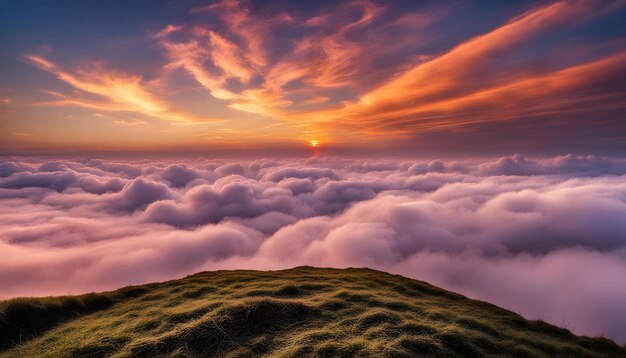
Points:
point(542, 236)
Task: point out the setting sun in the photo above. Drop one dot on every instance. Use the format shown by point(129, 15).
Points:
point(314, 143)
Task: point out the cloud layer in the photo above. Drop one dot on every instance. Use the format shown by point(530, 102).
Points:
point(544, 237)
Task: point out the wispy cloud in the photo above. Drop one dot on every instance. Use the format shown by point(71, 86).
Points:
point(116, 91)
point(465, 86)
point(462, 86)
point(359, 71)
point(322, 58)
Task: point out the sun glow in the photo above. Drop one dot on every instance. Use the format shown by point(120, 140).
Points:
point(314, 143)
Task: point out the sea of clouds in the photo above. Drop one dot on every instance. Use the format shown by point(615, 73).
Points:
point(543, 237)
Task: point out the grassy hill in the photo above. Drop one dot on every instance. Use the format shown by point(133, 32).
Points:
point(299, 312)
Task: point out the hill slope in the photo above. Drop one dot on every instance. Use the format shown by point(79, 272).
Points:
point(299, 312)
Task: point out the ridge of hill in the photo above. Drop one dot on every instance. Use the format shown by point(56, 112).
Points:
point(303, 311)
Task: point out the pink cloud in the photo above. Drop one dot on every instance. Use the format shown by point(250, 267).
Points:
point(117, 92)
point(544, 237)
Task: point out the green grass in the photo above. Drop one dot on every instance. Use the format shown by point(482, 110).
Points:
point(292, 313)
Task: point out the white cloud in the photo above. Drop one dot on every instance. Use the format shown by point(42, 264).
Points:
point(545, 237)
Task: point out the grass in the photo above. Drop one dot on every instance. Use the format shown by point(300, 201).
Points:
point(304, 311)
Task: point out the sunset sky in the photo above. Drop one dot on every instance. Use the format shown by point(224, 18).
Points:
point(395, 76)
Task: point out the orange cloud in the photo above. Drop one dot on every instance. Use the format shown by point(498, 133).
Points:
point(460, 87)
point(451, 70)
point(116, 91)
point(569, 91)
point(330, 76)
point(168, 30)
point(229, 58)
point(456, 88)
point(324, 60)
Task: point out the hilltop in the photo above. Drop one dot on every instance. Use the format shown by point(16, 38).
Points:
point(303, 311)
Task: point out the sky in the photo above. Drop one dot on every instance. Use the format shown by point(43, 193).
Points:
point(365, 77)
point(476, 145)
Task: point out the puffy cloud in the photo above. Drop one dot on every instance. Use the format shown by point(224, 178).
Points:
point(423, 168)
point(150, 253)
point(542, 236)
point(278, 174)
point(139, 193)
point(61, 180)
point(55, 180)
point(268, 223)
point(8, 168)
point(179, 175)
point(297, 186)
point(129, 170)
point(230, 169)
point(210, 204)
point(582, 165)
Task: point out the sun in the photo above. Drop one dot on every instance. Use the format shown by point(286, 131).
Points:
point(314, 143)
